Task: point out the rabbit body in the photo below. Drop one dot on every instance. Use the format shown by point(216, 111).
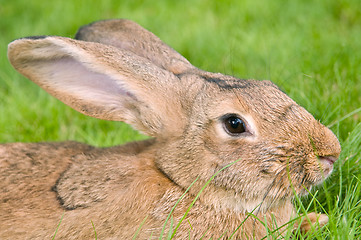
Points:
point(200, 122)
point(73, 184)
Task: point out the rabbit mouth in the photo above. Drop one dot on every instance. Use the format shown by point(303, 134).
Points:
point(317, 175)
point(329, 159)
point(326, 164)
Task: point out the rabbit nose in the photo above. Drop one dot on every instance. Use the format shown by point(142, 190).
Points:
point(328, 148)
point(328, 159)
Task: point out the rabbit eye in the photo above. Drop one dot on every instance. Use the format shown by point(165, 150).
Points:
point(234, 125)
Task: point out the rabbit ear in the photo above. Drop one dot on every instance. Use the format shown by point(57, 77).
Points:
point(128, 35)
point(99, 80)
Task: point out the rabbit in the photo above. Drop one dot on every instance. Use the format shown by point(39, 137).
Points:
point(252, 144)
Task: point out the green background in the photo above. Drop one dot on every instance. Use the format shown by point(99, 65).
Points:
point(311, 49)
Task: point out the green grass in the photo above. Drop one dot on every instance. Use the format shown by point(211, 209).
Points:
point(311, 49)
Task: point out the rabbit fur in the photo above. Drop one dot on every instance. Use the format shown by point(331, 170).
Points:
point(117, 70)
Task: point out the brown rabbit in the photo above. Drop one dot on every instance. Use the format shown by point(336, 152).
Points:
point(200, 122)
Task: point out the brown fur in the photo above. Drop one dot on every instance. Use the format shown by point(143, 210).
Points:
point(117, 70)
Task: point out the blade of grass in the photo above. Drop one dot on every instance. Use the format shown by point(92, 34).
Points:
point(56, 231)
point(175, 205)
point(244, 220)
point(344, 117)
point(138, 230)
point(169, 236)
point(198, 195)
point(95, 232)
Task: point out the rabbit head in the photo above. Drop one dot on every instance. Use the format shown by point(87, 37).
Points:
point(202, 121)
point(279, 146)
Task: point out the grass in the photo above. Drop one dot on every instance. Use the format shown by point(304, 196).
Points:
point(311, 49)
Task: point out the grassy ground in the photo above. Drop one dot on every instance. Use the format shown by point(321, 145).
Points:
point(311, 49)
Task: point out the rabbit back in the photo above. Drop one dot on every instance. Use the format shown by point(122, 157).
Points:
point(28, 173)
point(41, 183)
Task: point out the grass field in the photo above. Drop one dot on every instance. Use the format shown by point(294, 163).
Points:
point(311, 49)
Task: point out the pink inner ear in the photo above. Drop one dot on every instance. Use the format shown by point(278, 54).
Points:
point(72, 78)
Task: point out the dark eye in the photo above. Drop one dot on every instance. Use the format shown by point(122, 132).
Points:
point(234, 125)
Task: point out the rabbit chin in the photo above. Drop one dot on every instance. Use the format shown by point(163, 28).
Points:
point(224, 200)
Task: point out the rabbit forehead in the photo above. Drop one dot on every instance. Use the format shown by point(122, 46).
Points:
point(261, 99)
